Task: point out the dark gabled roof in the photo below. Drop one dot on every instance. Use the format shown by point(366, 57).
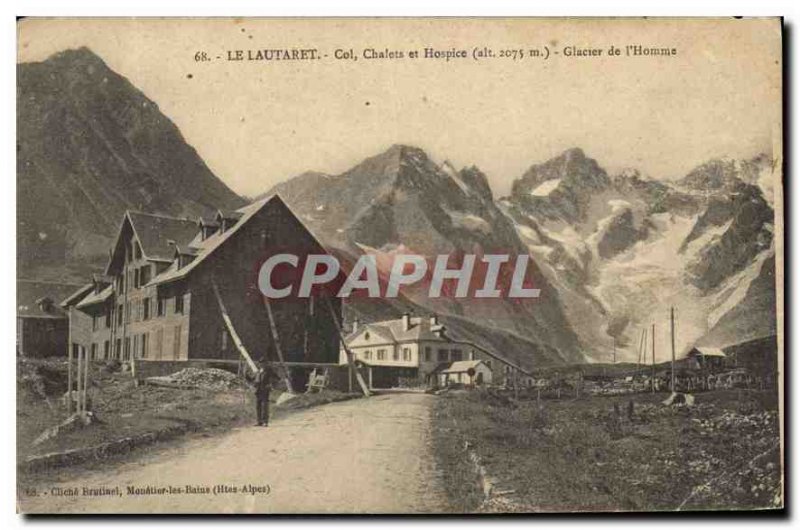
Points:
point(156, 231)
point(30, 292)
point(97, 297)
point(206, 247)
point(77, 295)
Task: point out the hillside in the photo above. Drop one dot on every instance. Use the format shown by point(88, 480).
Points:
point(400, 201)
point(89, 146)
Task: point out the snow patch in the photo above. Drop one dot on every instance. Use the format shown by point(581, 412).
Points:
point(451, 172)
point(469, 221)
point(571, 241)
point(710, 236)
point(741, 284)
point(546, 188)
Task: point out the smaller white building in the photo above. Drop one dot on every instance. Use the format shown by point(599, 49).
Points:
point(417, 351)
point(467, 373)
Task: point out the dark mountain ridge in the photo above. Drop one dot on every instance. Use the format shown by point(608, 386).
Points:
point(89, 146)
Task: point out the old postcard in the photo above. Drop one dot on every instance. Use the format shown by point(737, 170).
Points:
point(403, 266)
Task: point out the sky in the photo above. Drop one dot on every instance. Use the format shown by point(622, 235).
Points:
point(257, 123)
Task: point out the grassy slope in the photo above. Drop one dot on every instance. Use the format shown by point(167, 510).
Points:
point(126, 410)
point(579, 455)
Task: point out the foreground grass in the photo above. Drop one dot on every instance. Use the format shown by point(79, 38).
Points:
point(589, 455)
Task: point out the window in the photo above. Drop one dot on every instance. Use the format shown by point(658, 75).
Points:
point(381, 355)
point(118, 348)
point(106, 349)
point(144, 276)
point(176, 342)
point(136, 278)
point(395, 354)
point(179, 303)
point(406, 354)
point(127, 313)
point(159, 343)
point(368, 354)
point(161, 307)
point(108, 317)
point(456, 355)
point(146, 308)
point(120, 316)
point(137, 250)
point(145, 338)
point(94, 351)
point(427, 353)
point(94, 322)
point(442, 356)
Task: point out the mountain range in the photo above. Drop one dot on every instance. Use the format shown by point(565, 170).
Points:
point(611, 253)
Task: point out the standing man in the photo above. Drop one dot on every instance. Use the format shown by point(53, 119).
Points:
point(262, 388)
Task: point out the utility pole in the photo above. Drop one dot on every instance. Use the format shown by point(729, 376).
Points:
point(653, 359)
point(672, 336)
point(69, 361)
point(615, 350)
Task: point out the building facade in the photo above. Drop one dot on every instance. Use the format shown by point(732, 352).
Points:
point(414, 351)
point(156, 300)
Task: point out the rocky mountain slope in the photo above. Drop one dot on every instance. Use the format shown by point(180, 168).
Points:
point(400, 201)
point(89, 146)
point(621, 249)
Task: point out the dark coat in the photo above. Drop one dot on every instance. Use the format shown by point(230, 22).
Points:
point(262, 382)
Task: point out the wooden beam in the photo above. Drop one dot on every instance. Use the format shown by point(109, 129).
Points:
point(276, 340)
point(348, 352)
point(228, 324)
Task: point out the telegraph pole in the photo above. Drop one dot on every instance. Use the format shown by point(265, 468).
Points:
point(672, 336)
point(653, 358)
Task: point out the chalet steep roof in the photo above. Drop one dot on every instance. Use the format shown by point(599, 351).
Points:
point(77, 295)
point(31, 292)
point(156, 231)
point(206, 247)
point(96, 298)
point(708, 351)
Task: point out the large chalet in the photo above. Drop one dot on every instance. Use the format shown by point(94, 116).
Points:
point(156, 299)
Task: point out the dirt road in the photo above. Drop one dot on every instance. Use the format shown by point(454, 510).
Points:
point(361, 456)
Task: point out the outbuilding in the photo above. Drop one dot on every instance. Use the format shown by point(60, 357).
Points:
point(474, 372)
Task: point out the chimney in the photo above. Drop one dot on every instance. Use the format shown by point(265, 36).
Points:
point(355, 324)
point(434, 320)
point(406, 322)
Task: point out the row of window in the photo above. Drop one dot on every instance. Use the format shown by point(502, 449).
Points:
point(443, 354)
point(139, 345)
point(138, 310)
point(138, 277)
point(380, 354)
